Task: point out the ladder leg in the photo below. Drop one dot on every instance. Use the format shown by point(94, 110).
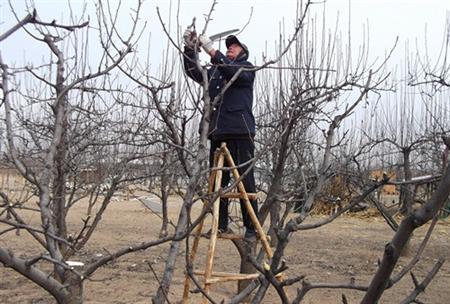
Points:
point(215, 180)
point(193, 253)
point(214, 228)
point(198, 232)
point(248, 206)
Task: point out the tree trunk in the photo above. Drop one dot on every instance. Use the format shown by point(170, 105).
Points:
point(181, 227)
point(74, 287)
point(182, 224)
point(274, 221)
point(271, 206)
point(165, 218)
point(406, 191)
point(165, 192)
point(59, 187)
point(163, 290)
point(395, 247)
point(245, 249)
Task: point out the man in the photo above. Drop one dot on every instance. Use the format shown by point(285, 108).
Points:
point(231, 119)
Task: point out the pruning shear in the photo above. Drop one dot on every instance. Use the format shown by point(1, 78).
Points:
point(214, 37)
point(222, 34)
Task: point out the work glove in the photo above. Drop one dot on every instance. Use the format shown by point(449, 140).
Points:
point(190, 38)
point(205, 43)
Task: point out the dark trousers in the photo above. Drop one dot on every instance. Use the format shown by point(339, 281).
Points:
point(241, 151)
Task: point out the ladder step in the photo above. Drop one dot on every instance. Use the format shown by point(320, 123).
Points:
point(251, 196)
point(215, 179)
point(227, 236)
point(218, 277)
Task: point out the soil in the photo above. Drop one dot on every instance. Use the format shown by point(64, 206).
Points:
point(345, 250)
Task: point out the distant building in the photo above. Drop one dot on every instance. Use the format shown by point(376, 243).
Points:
point(388, 194)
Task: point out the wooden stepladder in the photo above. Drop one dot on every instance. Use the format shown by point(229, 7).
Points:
point(214, 186)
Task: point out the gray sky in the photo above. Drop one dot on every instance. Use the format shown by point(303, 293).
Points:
point(411, 20)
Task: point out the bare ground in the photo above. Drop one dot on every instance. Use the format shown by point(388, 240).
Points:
point(344, 250)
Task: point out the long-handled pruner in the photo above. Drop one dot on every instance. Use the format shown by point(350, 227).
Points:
point(222, 34)
point(214, 37)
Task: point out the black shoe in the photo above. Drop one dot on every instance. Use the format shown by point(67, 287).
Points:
point(224, 231)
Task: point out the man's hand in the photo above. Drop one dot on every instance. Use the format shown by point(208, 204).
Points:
point(206, 43)
point(190, 38)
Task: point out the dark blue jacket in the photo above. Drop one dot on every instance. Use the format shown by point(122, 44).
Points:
point(232, 116)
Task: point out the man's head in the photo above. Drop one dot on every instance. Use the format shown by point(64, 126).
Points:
point(234, 47)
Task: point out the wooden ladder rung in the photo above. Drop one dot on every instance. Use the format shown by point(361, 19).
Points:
point(221, 156)
point(218, 277)
point(227, 236)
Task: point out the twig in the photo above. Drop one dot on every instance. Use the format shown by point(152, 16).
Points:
point(158, 280)
point(199, 288)
point(307, 286)
point(31, 229)
point(419, 252)
point(421, 287)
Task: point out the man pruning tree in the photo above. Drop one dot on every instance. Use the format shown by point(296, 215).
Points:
point(231, 119)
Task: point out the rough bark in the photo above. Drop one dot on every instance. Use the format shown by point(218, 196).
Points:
point(406, 190)
point(246, 250)
point(182, 224)
point(54, 287)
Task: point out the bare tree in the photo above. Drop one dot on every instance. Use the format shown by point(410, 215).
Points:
point(70, 136)
point(308, 88)
point(426, 143)
point(393, 249)
point(110, 128)
point(400, 132)
point(308, 94)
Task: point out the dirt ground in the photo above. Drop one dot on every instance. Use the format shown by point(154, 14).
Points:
point(344, 250)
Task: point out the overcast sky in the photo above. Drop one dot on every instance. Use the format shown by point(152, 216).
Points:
point(410, 20)
point(414, 22)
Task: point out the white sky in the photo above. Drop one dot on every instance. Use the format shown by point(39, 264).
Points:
point(409, 19)
point(413, 21)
